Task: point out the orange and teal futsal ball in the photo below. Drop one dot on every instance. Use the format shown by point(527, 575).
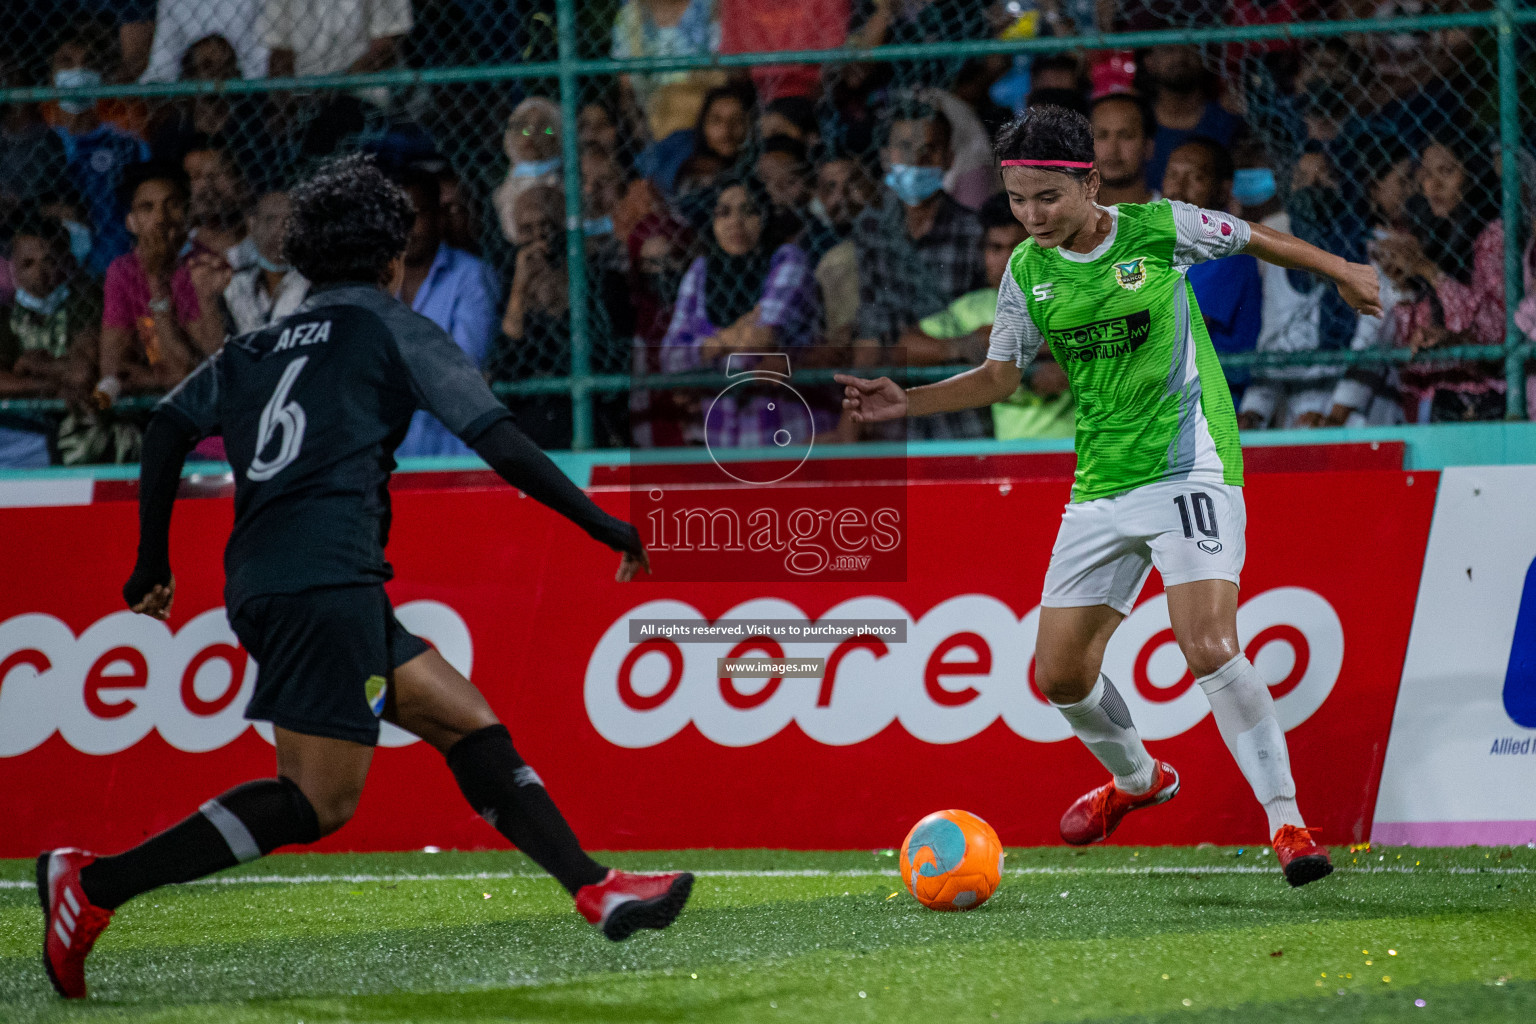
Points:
point(951, 860)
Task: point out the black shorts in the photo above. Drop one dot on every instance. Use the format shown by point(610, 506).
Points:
point(325, 659)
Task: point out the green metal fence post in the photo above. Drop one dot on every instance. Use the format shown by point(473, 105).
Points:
point(575, 236)
point(1509, 147)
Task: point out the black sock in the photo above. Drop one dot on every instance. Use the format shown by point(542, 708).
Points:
point(247, 822)
point(511, 797)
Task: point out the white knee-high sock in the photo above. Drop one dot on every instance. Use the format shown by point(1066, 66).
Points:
point(1245, 714)
point(1103, 722)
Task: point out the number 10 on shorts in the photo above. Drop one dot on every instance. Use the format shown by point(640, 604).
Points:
point(1204, 518)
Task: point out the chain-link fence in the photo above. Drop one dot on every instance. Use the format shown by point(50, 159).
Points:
point(647, 186)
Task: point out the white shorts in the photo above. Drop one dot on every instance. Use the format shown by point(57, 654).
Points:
point(1106, 547)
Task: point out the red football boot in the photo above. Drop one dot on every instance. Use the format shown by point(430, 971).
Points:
point(1301, 858)
point(1097, 813)
point(623, 902)
point(70, 920)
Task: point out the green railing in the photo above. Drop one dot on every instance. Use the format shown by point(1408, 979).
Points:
point(1504, 20)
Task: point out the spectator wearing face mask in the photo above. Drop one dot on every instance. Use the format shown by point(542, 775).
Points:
point(83, 59)
point(1228, 290)
point(532, 145)
point(602, 192)
point(96, 153)
point(47, 343)
point(451, 288)
point(917, 252)
point(65, 207)
point(269, 289)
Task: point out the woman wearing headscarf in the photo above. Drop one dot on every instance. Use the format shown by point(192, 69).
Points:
point(747, 295)
point(1449, 264)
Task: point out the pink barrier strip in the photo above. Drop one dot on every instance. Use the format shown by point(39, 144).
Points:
point(1453, 833)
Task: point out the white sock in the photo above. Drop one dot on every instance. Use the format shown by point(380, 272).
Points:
point(1245, 714)
point(1103, 722)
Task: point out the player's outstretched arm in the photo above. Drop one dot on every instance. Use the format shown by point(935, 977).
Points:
point(166, 444)
point(871, 401)
point(1357, 282)
point(519, 462)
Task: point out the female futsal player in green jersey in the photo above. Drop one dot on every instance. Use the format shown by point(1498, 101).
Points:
point(1159, 469)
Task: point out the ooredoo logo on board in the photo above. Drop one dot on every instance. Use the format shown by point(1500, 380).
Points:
point(128, 674)
point(959, 670)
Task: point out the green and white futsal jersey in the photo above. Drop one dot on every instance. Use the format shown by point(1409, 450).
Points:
point(1152, 403)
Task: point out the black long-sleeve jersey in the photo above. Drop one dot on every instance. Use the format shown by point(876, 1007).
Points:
point(312, 408)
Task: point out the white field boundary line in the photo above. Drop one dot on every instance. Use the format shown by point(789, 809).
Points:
point(490, 876)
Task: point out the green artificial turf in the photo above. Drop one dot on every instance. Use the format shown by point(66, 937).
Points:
point(1111, 934)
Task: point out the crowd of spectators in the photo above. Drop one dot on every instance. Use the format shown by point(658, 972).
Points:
point(844, 215)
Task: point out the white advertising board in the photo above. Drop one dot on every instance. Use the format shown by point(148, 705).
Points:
point(1461, 762)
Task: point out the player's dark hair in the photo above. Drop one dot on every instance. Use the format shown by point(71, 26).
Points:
point(910, 108)
point(997, 213)
point(1048, 133)
point(1143, 109)
point(1221, 159)
point(137, 175)
point(348, 222)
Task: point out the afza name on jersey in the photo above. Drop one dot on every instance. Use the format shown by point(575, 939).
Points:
point(312, 333)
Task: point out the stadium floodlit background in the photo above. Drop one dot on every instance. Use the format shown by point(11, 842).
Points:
point(576, 153)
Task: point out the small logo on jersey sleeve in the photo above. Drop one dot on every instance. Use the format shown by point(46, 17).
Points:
point(1132, 275)
point(1216, 225)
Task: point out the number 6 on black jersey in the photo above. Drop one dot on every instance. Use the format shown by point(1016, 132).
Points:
point(279, 414)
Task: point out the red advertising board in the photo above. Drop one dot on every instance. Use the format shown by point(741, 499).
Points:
point(113, 725)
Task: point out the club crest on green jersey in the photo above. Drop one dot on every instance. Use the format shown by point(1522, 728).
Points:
point(1132, 275)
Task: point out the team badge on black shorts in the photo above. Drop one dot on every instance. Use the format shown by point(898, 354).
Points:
point(376, 690)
